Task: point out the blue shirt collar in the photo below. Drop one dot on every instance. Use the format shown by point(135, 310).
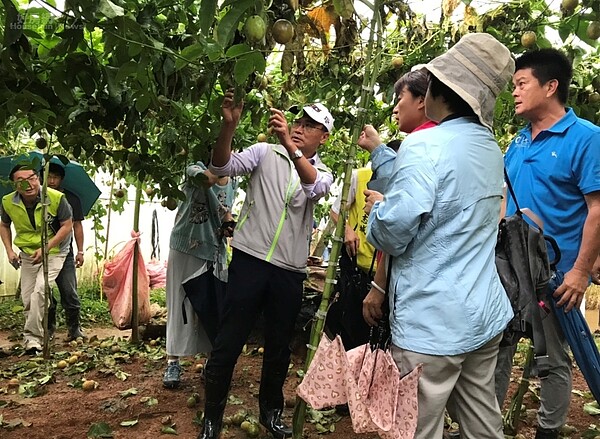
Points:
point(560, 126)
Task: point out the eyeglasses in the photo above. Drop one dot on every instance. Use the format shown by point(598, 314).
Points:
point(24, 183)
point(308, 127)
point(32, 177)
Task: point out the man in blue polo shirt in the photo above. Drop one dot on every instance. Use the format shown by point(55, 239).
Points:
point(554, 165)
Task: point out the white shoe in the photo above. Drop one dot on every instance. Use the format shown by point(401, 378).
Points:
point(32, 347)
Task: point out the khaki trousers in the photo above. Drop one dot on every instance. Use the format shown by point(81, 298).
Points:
point(32, 293)
point(463, 382)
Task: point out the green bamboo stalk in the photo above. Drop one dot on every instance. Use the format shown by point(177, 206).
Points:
point(372, 67)
point(110, 200)
point(47, 291)
point(135, 312)
point(512, 416)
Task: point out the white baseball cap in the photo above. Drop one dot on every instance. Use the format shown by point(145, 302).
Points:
point(317, 112)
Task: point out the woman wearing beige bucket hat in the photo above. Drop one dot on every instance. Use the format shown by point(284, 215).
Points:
point(438, 220)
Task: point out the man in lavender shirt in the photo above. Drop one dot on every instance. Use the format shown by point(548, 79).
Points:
point(270, 249)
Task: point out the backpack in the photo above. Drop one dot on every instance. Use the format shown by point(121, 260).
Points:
point(524, 269)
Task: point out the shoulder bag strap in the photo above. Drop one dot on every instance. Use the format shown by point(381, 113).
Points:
point(511, 190)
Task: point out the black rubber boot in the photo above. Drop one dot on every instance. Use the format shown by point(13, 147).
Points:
point(216, 387)
point(543, 433)
point(271, 420)
point(73, 326)
point(271, 400)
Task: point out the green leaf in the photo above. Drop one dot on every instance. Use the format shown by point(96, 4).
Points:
point(237, 50)
point(110, 10)
point(248, 64)
point(591, 408)
point(345, 8)
point(128, 392)
point(63, 92)
point(87, 82)
point(129, 423)
point(110, 74)
point(229, 23)
point(207, 17)
point(168, 430)
point(134, 49)
point(14, 23)
point(149, 401)
point(17, 308)
point(234, 400)
point(189, 54)
point(142, 102)
point(129, 68)
point(213, 50)
point(100, 430)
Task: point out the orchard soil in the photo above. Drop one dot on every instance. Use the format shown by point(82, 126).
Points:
point(66, 412)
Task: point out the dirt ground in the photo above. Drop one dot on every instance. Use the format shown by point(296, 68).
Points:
point(64, 411)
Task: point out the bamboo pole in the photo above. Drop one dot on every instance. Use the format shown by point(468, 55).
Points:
point(135, 312)
point(512, 416)
point(110, 199)
point(372, 65)
point(47, 291)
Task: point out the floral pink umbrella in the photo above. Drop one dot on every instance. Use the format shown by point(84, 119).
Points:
point(379, 399)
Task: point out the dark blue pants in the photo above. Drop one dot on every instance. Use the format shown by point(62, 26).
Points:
point(254, 286)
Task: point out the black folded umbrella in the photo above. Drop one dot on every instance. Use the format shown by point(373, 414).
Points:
point(206, 294)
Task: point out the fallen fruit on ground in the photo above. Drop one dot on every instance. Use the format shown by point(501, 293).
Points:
point(88, 385)
point(62, 364)
point(191, 402)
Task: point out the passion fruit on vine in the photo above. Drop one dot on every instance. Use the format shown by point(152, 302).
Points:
point(41, 143)
point(255, 28)
point(171, 203)
point(528, 39)
point(282, 31)
point(397, 62)
point(593, 30)
point(568, 6)
point(262, 137)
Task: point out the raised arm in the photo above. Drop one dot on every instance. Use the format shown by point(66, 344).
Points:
point(231, 116)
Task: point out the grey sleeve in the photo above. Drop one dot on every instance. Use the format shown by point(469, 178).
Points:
point(64, 211)
point(4, 216)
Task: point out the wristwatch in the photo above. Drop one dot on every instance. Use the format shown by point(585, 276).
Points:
point(297, 154)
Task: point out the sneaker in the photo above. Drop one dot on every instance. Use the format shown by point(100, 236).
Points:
point(32, 347)
point(172, 376)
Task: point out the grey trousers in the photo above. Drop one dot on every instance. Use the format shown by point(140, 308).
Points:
point(463, 382)
point(33, 295)
point(555, 394)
